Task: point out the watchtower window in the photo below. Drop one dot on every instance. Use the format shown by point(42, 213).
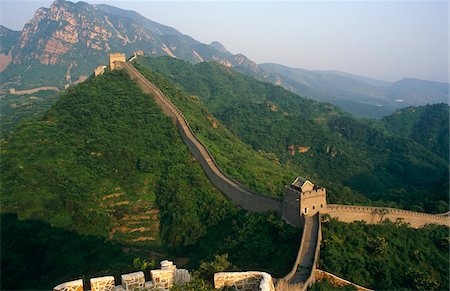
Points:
point(314, 207)
point(306, 210)
point(321, 205)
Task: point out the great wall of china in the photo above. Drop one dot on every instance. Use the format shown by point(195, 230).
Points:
point(291, 209)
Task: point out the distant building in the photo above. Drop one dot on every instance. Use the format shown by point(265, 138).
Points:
point(116, 57)
point(303, 198)
point(99, 70)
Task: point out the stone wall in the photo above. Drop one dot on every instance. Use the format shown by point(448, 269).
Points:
point(162, 279)
point(99, 70)
point(336, 281)
point(291, 208)
point(116, 57)
point(374, 215)
point(32, 91)
point(244, 280)
point(302, 274)
point(237, 192)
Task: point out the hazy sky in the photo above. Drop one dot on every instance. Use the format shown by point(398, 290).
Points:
point(386, 40)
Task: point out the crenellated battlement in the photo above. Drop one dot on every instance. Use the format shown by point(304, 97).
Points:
point(161, 279)
point(303, 198)
point(349, 213)
point(116, 57)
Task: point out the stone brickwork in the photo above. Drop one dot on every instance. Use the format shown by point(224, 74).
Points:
point(76, 285)
point(106, 283)
point(162, 279)
point(374, 215)
point(247, 281)
point(337, 281)
point(116, 57)
point(99, 70)
point(133, 281)
point(302, 198)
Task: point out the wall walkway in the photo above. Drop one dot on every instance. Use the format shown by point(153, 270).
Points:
point(237, 192)
point(303, 271)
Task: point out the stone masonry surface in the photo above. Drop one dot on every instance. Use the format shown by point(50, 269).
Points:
point(374, 215)
point(336, 281)
point(103, 283)
point(162, 280)
point(76, 285)
point(133, 281)
point(247, 281)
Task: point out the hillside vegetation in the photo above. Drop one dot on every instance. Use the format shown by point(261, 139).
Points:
point(387, 256)
point(355, 160)
point(103, 177)
point(259, 170)
point(15, 108)
point(427, 125)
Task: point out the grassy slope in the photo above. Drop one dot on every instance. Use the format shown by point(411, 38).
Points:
point(387, 256)
point(259, 170)
point(95, 170)
point(348, 156)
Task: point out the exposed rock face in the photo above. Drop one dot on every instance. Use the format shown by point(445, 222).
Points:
point(53, 32)
point(77, 37)
point(8, 39)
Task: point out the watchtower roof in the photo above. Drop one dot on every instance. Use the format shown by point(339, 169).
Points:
point(299, 182)
point(303, 185)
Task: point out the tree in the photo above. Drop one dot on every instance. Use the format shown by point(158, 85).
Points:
point(377, 246)
point(220, 264)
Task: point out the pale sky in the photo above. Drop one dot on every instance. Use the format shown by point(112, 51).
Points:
point(387, 40)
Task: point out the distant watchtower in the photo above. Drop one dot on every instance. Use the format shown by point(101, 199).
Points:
point(302, 198)
point(116, 57)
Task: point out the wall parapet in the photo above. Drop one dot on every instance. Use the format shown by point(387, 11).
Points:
point(162, 279)
point(313, 227)
point(337, 281)
point(251, 280)
point(348, 213)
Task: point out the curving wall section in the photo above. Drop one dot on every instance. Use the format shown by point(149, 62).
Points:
point(237, 192)
point(302, 274)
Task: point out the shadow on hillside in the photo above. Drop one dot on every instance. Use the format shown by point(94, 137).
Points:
point(38, 256)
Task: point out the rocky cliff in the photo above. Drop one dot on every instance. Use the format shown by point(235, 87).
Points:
point(67, 40)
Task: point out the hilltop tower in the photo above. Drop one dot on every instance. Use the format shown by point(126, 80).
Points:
point(116, 57)
point(302, 198)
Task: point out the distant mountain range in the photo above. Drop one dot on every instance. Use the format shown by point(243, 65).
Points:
point(360, 95)
point(62, 45)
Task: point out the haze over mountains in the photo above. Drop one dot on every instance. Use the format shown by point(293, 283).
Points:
point(97, 180)
point(62, 44)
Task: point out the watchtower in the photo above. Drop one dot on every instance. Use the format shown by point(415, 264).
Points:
point(302, 198)
point(116, 57)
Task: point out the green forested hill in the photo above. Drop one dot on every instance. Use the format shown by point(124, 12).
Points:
point(427, 125)
point(346, 155)
point(387, 256)
point(103, 177)
point(15, 108)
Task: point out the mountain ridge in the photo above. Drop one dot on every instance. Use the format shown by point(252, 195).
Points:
point(340, 88)
point(49, 49)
